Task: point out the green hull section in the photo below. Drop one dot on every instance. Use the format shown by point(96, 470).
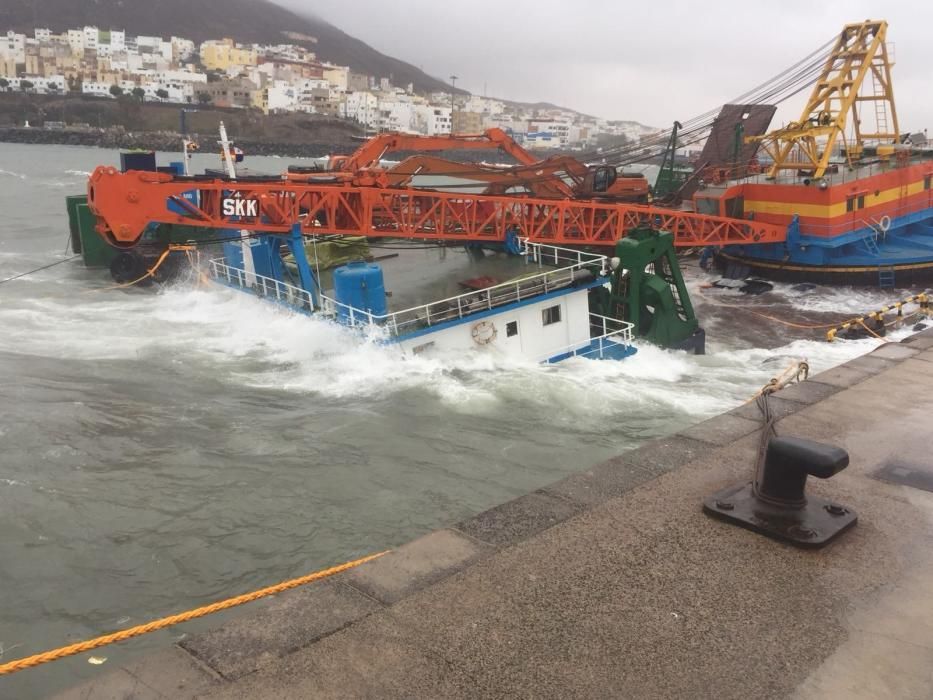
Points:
point(648, 290)
point(97, 252)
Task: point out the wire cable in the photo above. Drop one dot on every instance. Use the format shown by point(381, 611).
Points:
point(39, 269)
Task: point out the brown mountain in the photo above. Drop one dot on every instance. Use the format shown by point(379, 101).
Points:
point(244, 20)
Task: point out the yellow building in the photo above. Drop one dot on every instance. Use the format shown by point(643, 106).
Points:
point(260, 99)
point(33, 64)
point(221, 55)
point(337, 76)
point(7, 67)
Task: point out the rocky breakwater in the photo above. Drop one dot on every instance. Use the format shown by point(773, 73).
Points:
point(118, 137)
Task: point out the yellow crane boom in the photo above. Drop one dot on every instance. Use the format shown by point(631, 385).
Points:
point(860, 51)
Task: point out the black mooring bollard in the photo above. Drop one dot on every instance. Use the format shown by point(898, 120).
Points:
point(778, 506)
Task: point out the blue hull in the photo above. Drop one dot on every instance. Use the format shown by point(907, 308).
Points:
point(902, 256)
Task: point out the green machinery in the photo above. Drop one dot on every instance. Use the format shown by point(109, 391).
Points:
point(96, 252)
point(648, 290)
point(671, 177)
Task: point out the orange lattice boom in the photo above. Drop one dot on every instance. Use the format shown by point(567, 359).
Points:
point(125, 203)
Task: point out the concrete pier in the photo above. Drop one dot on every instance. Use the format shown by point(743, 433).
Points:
point(612, 583)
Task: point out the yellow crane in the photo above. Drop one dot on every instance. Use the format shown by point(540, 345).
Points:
point(806, 145)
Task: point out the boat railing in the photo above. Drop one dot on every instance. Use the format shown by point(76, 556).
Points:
point(614, 333)
point(262, 286)
point(398, 323)
point(569, 266)
point(842, 172)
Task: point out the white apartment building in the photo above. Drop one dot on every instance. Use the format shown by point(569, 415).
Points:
point(548, 133)
point(177, 92)
point(432, 119)
point(14, 46)
point(172, 76)
point(95, 88)
point(42, 85)
point(43, 34)
point(91, 35)
point(117, 40)
point(280, 96)
point(119, 60)
point(76, 41)
point(483, 105)
point(361, 106)
point(394, 115)
point(539, 140)
point(182, 49)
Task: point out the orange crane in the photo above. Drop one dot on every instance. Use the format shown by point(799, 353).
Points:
point(558, 176)
point(559, 200)
point(375, 149)
point(126, 203)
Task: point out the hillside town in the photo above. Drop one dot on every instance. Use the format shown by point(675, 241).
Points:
point(109, 63)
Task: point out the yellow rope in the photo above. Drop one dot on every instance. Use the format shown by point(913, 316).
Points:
point(88, 645)
point(771, 318)
point(792, 374)
point(919, 298)
point(862, 324)
point(149, 273)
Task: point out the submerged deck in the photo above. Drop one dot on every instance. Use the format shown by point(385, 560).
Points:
point(612, 582)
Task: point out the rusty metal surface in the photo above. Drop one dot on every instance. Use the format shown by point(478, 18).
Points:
point(720, 146)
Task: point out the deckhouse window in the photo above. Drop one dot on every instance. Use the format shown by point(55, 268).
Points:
point(927, 181)
point(511, 328)
point(854, 202)
point(550, 315)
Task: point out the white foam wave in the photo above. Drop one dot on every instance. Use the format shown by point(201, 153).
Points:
point(252, 343)
point(839, 300)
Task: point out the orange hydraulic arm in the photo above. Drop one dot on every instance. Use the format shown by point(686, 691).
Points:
point(370, 153)
point(125, 203)
point(558, 176)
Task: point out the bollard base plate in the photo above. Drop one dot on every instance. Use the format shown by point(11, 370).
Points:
point(813, 526)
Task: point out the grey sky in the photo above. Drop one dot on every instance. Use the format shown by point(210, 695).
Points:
point(651, 61)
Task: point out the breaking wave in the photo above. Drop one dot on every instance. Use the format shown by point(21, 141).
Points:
point(252, 343)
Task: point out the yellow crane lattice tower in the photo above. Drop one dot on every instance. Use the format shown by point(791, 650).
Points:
point(806, 145)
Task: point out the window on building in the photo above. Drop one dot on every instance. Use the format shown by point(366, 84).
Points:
point(511, 328)
point(550, 315)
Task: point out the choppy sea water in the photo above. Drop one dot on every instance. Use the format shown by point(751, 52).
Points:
point(160, 450)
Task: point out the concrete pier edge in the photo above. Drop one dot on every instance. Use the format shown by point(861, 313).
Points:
point(269, 632)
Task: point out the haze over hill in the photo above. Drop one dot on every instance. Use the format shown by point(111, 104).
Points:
point(259, 21)
point(244, 20)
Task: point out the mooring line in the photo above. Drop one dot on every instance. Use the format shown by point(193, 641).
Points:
point(152, 626)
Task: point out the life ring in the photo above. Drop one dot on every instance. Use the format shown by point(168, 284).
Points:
point(885, 223)
point(484, 332)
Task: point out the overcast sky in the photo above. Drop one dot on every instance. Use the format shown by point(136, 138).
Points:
point(651, 61)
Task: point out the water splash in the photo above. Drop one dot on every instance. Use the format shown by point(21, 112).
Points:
point(252, 343)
